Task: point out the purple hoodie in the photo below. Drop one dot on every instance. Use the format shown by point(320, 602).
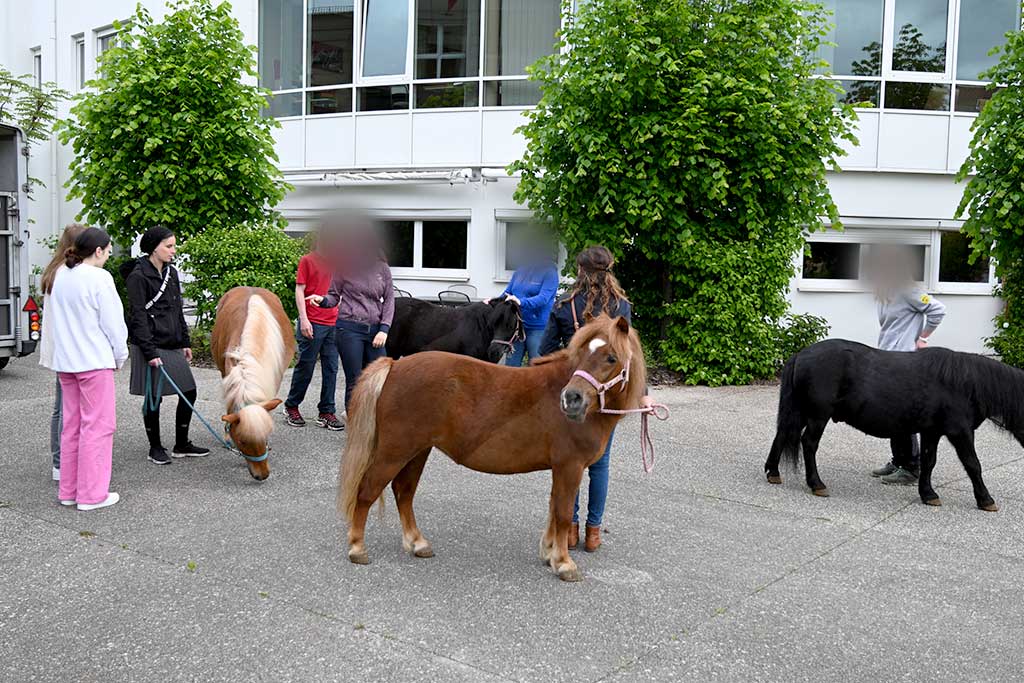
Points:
point(364, 297)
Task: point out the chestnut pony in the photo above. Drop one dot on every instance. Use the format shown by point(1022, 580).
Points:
point(477, 413)
point(252, 344)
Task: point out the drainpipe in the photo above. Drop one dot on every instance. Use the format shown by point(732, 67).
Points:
point(54, 189)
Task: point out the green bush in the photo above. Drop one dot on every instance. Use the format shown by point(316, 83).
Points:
point(692, 139)
point(246, 256)
point(797, 333)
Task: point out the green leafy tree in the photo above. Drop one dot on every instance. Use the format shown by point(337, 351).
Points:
point(222, 257)
point(31, 108)
point(690, 138)
point(993, 200)
point(170, 131)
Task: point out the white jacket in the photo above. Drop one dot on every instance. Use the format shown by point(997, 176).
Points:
point(46, 334)
point(86, 322)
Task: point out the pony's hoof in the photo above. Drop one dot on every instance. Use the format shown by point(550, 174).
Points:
point(822, 492)
point(774, 479)
point(935, 502)
point(573, 574)
point(425, 551)
point(991, 507)
point(359, 557)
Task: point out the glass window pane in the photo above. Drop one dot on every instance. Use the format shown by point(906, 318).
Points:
point(5, 264)
point(973, 98)
point(398, 242)
point(384, 98)
point(858, 37)
point(518, 33)
point(983, 25)
point(444, 244)
point(437, 95)
point(953, 257)
point(288, 104)
point(280, 44)
point(831, 261)
point(80, 54)
point(448, 29)
point(384, 37)
point(329, 101)
point(330, 47)
point(511, 93)
point(918, 96)
point(920, 43)
point(862, 94)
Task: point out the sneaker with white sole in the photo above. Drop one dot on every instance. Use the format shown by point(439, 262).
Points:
point(189, 450)
point(56, 474)
point(158, 456)
point(112, 499)
point(68, 503)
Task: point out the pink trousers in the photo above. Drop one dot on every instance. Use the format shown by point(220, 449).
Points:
point(87, 440)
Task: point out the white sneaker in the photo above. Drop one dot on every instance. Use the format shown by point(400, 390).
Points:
point(67, 503)
point(56, 474)
point(112, 498)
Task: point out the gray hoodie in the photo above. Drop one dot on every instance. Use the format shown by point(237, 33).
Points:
point(904, 316)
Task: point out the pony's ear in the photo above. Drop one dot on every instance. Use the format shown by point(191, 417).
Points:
point(622, 324)
point(271, 404)
point(231, 419)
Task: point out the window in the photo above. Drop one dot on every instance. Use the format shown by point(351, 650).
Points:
point(517, 34)
point(447, 38)
point(330, 51)
point(80, 61)
point(37, 68)
point(898, 54)
point(385, 37)
point(280, 53)
point(438, 245)
point(831, 261)
point(954, 260)
point(105, 40)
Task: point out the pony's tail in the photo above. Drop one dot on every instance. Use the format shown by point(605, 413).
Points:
point(362, 434)
point(790, 422)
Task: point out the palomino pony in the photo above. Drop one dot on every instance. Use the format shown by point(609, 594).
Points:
point(476, 413)
point(252, 344)
point(893, 395)
point(484, 331)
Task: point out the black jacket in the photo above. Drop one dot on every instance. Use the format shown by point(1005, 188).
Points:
point(163, 325)
point(561, 328)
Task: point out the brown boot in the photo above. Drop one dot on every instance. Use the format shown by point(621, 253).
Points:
point(593, 541)
point(574, 535)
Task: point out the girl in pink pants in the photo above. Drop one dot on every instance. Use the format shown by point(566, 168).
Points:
point(90, 341)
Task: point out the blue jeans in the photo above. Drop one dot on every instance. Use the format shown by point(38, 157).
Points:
point(598, 491)
point(530, 347)
point(355, 346)
point(321, 346)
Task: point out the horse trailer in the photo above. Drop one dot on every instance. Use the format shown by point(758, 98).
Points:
point(19, 313)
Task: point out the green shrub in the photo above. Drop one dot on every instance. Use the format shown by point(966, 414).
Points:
point(797, 333)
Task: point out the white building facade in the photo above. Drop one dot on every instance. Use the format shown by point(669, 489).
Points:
point(409, 108)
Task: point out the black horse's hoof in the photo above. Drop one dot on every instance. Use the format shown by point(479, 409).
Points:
point(822, 492)
point(934, 502)
point(774, 479)
point(989, 507)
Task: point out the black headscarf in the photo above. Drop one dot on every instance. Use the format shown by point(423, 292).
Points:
point(153, 237)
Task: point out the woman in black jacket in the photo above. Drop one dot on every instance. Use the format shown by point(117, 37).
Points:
point(159, 337)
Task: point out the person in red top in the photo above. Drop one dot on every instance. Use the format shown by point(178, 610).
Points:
point(315, 337)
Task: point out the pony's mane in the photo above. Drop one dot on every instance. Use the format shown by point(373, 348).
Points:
point(258, 359)
point(997, 388)
point(254, 425)
point(624, 346)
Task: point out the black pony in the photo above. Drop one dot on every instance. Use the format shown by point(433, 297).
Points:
point(892, 395)
point(484, 331)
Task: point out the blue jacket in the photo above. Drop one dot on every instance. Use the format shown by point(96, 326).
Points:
point(561, 326)
point(535, 288)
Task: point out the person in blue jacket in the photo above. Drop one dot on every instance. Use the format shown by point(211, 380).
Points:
point(534, 286)
point(595, 291)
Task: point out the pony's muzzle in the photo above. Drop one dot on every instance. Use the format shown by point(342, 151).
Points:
point(258, 471)
point(574, 404)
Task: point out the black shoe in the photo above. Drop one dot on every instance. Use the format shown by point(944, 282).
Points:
point(885, 470)
point(330, 422)
point(189, 450)
point(159, 456)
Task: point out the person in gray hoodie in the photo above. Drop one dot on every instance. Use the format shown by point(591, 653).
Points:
point(908, 316)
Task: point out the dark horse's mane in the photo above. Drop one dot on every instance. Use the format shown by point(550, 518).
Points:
point(996, 388)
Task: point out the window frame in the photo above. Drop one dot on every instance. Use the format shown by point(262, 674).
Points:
point(866, 236)
point(80, 61)
point(404, 78)
point(939, 286)
point(37, 66)
point(418, 217)
point(101, 34)
point(889, 44)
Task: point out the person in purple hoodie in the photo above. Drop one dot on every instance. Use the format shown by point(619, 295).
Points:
point(533, 286)
point(365, 297)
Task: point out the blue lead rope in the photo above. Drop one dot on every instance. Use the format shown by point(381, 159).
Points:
point(151, 402)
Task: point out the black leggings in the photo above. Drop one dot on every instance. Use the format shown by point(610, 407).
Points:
point(182, 418)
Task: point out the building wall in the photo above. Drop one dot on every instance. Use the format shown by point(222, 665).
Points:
point(897, 181)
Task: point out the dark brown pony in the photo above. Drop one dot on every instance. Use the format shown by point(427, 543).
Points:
point(477, 413)
point(252, 344)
